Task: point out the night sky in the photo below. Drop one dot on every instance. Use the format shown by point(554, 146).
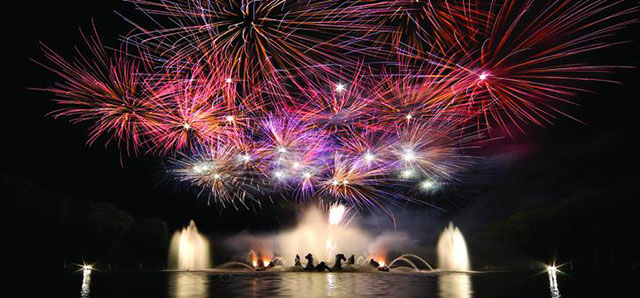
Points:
point(53, 152)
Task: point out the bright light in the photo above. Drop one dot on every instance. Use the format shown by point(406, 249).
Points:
point(216, 176)
point(336, 213)
point(552, 269)
point(245, 157)
point(201, 168)
point(369, 157)
point(87, 267)
point(306, 175)
point(406, 174)
point(409, 116)
point(345, 182)
point(340, 87)
point(296, 165)
point(381, 262)
point(279, 174)
point(229, 80)
point(265, 263)
point(409, 155)
point(282, 150)
point(483, 76)
point(427, 185)
point(230, 118)
point(186, 126)
point(255, 263)
point(335, 182)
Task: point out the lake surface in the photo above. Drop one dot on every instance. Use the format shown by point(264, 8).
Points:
point(301, 284)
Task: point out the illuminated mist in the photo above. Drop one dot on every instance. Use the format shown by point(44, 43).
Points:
point(323, 233)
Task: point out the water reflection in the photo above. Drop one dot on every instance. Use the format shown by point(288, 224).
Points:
point(553, 283)
point(188, 284)
point(302, 284)
point(344, 284)
point(454, 285)
point(86, 283)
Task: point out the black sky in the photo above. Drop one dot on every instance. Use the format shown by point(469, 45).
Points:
point(54, 154)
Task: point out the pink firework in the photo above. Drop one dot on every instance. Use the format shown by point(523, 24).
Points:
point(352, 101)
point(109, 90)
point(523, 62)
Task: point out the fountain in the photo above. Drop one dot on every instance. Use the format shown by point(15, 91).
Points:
point(189, 250)
point(404, 262)
point(323, 234)
point(327, 232)
point(452, 250)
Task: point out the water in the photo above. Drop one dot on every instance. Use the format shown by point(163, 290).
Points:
point(189, 250)
point(452, 250)
point(271, 284)
point(323, 233)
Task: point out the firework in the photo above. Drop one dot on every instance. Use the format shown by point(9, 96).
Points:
point(410, 26)
point(221, 171)
point(431, 150)
point(106, 89)
point(336, 104)
point(523, 62)
point(291, 150)
point(357, 102)
point(256, 39)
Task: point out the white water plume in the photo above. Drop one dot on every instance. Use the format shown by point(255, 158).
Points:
point(189, 250)
point(452, 250)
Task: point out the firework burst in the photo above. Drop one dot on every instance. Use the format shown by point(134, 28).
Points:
point(220, 171)
point(109, 90)
point(523, 62)
point(256, 39)
point(358, 102)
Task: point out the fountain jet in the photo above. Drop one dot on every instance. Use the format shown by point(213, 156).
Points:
point(452, 250)
point(189, 250)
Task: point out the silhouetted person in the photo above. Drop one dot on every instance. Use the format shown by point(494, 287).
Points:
point(338, 265)
point(352, 260)
point(310, 265)
point(297, 260)
point(374, 264)
point(322, 267)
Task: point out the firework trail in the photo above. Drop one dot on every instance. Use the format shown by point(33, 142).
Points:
point(356, 102)
point(109, 90)
point(255, 39)
point(523, 61)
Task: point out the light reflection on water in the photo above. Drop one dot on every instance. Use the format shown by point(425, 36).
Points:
point(301, 284)
point(188, 285)
point(553, 284)
point(455, 285)
point(194, 284)
point(85, 289)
